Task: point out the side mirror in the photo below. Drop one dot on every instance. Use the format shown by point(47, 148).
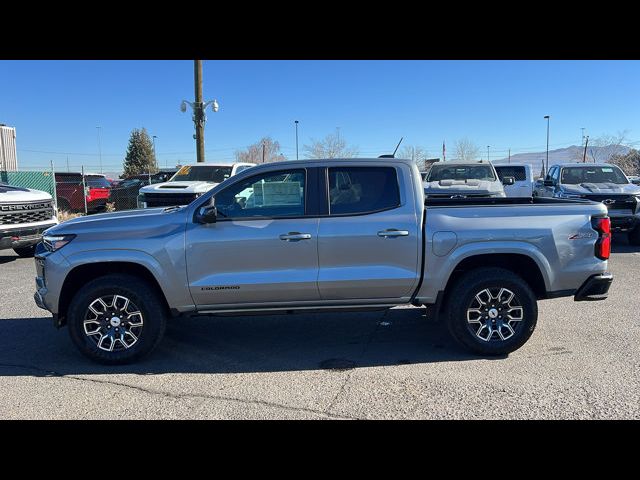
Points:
point(508, 180)
point(549, 183)
point(207, 214)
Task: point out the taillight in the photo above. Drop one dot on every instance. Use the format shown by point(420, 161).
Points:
point(603, 244)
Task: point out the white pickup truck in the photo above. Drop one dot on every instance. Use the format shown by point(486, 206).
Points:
point(188, 183)
point(24, 215)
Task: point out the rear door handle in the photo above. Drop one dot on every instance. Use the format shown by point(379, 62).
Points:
point(295, 236)
point(393, 233)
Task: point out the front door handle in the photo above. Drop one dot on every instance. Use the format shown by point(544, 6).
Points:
point(295, 236)
point(392, 232)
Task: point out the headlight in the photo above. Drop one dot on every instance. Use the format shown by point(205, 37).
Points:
point(56, 242)
point(567, 195)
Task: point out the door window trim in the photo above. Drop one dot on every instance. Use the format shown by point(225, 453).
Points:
point(309, 205)
point(326, 207)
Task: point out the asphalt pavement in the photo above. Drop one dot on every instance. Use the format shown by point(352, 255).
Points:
point(583, 361)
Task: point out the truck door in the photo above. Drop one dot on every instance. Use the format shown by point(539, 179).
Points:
point(368, 241)
point(263, 247)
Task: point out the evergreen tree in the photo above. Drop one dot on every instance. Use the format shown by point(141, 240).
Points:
point(140, 155)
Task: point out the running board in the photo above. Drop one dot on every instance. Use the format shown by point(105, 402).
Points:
point(292, 310)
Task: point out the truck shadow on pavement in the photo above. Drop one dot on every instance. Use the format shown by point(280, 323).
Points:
point(333, 342)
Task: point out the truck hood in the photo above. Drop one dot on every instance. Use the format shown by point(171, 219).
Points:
point(13, 194)
point(602, 188)
point(462, 187)
point(121, 224)
point(178, 187)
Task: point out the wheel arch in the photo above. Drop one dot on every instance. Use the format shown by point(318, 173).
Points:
point(81, 274)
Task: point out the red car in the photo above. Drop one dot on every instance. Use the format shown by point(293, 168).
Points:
point(70, 195)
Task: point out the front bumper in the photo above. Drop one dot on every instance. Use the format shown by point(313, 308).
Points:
point(22, 237)
point(594, 288)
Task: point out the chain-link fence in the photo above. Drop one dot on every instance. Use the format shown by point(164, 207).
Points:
point(84, 193)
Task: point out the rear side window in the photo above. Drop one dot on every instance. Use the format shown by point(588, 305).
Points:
point(357, 190)
point(518, 173)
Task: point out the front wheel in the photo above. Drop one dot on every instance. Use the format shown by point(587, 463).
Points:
point(116, 319)
point(492, 311)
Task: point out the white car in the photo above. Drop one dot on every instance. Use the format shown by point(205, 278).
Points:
point(24, 215)
point(523, 179)
point(464, 179)
point(188, 183)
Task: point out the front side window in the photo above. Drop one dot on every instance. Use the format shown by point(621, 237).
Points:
point(578, 175)
point(460, 172)
point(273, 194)
point(202, 173)
point(357, 190)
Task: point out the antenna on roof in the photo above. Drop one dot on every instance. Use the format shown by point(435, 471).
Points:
point(393, 155)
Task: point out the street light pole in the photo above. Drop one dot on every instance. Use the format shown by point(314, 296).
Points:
point(155, 156)
point(488, 152)
point(199, 107)
point(547, 167)
point(296, 139)
point(100, 146)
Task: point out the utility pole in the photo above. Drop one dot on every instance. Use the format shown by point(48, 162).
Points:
point(488, 152)
point(509, 155)
point(296, 139)
point(68, 164)
point(584, 155)
point(198, 111)
point(582, 141)
point(262, 152)
point(199, 107)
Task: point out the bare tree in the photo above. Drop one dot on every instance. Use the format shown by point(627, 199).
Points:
point(466, 150)
point(602, 148)
point(628, 162)
point(254, 153)
point(415, 153)
point(331, 146)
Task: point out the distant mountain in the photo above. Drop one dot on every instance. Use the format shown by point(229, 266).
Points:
point(561, 155)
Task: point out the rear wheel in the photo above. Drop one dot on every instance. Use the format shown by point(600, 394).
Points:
point(26, 252)
point(634, 236)
point(116, 319)
point(491, 311)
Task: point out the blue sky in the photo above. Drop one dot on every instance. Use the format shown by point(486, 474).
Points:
point(56, 105)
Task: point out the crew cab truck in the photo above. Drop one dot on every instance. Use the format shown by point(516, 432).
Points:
point(188, 183)
point(604, 183)
point(321, 235)
point(24, 215)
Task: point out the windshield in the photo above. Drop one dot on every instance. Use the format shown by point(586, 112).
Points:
point(97, 181)
point(202, 173)
point(460, 172)
point(578, 175)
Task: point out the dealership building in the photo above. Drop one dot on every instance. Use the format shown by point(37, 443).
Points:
point(8, 156)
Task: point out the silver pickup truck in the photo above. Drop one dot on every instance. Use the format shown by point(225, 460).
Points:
point(321, 235)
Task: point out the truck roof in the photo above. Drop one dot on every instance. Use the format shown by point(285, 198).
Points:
point(583, 165)
point(215, 164)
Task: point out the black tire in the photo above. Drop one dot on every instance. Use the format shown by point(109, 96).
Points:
point(463, 297)
point(26, 252)
point(634, 236)
point(142, 295)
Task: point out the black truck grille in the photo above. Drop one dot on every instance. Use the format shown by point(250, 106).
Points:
point(615, 202)
point(168, 200)
point(17, 213)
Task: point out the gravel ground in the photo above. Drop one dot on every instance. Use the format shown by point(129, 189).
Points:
point(582, 362)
